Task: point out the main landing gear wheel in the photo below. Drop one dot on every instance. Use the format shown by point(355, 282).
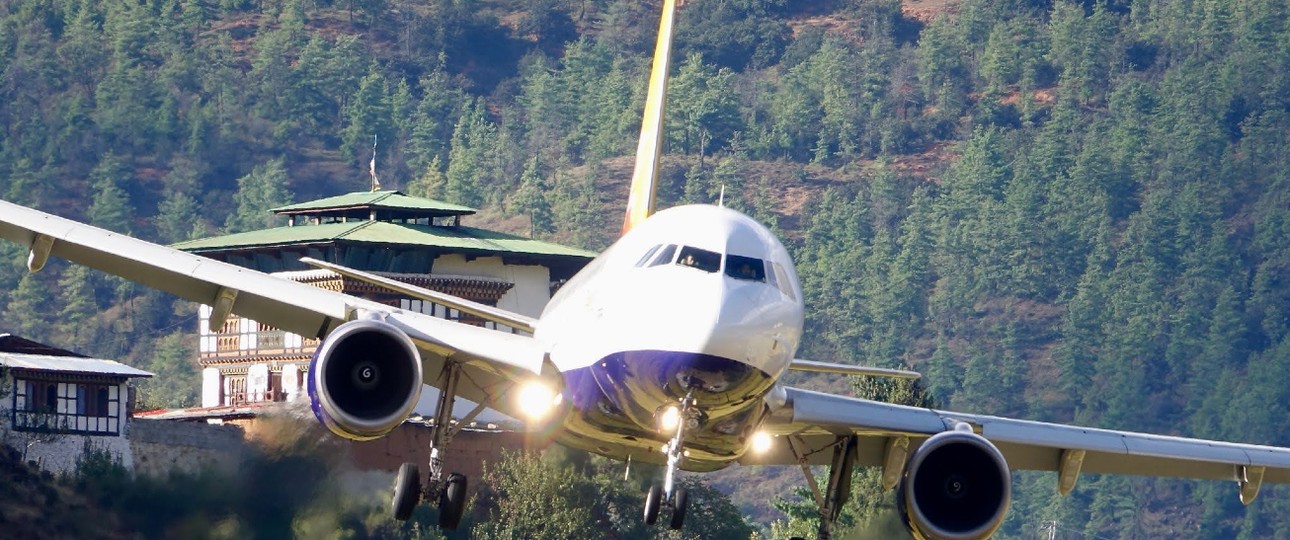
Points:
point(407, 492)
point(447, 490)
point(452, 502)
point(680, 501)
point(653, 501)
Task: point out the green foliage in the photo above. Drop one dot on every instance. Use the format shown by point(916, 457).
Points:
point(735, 33)
point(110, 208)
point(287, 488)
point(264, 188)
point(473, 140)
point(174, 368)
point(25, 313)
point(702, 107)
point(531, 199)
point(563, 494)
point(1078, 211)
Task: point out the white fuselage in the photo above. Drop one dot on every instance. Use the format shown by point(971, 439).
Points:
point(697, 300)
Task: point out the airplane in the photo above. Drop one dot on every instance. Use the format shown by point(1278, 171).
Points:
point(669, 348)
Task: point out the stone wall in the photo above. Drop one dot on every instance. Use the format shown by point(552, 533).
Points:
point(160, 446)
point(410, 442)
point(59, 452)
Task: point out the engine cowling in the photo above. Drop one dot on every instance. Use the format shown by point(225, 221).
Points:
point(957, 486)
point(364, 379)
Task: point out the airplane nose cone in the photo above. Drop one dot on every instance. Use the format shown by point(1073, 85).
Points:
point(754, 326)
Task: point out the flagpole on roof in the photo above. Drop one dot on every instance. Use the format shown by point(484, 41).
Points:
point(376, 182)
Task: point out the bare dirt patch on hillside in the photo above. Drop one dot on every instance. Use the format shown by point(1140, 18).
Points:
point(928, 10)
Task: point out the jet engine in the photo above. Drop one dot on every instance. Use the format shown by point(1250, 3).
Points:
point(364, 379)
point(957, 486)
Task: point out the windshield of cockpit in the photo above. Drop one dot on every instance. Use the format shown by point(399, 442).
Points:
point(735, 266)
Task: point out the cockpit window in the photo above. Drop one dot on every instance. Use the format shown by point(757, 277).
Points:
point(745, 268)
point(664, 255)
point(645, 258)
point(781, 279)
point(699, 258)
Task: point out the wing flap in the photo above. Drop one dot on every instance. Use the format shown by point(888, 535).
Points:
point(813, 420)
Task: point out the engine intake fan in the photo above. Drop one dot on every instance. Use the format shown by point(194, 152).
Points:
point(957, 486)
point(365, 379)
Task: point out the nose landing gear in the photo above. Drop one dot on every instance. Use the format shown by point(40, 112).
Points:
point(669, 494)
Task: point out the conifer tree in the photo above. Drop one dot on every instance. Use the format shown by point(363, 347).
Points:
point(472, 139)
point(530, 199)
point(264, 188)
point(110, 207)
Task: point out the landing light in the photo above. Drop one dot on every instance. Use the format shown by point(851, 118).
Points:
point(670, 419)
point(537, 399)
point(761, 442)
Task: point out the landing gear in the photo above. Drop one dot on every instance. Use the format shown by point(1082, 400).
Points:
point(653, 501)
point(452, 500)
point(686, 417)
point(407, 492)
point(839, 489)
point(680, 502)
point(447, 490)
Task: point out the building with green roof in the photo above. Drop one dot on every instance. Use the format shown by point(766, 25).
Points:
point(412, 239)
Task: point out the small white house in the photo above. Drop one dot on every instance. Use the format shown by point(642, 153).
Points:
point(54, 402)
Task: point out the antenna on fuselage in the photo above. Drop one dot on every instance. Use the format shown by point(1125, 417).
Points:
point(644, 188)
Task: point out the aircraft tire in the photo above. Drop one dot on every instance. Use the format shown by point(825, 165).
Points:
point(407, 492)
point(680, 503)
point(653, 500)
point(452, 502)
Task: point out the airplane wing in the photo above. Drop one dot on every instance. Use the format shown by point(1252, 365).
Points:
point(493, 360)
point(486, 312)
point(846, 369)
point(813, 422)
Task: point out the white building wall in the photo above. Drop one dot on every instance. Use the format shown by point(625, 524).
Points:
point(291, 382)
point(58, 452)
point(207, 341)
point(211, 386)
point(257, 381)
point(532, 287)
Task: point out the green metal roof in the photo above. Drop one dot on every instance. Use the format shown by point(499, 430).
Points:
point(381, 232)
point(381, 200)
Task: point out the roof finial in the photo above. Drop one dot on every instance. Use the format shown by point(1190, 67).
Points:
point(376, 182)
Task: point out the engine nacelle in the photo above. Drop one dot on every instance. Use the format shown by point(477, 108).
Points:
point(957, 486)
point(364, 379)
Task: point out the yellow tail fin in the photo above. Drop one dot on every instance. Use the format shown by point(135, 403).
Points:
point(640, 200)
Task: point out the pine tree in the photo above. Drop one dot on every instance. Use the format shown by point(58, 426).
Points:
point(78, 305)
point(472, 138)
point(264, 188)
point(26, 314)
point(110, 208)
point(368, 115)
point(175, 382)
point(530, 199)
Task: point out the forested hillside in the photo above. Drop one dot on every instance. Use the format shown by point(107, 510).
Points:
point(1069, 211)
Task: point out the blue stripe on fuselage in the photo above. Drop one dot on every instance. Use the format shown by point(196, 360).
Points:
point(621, 394)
